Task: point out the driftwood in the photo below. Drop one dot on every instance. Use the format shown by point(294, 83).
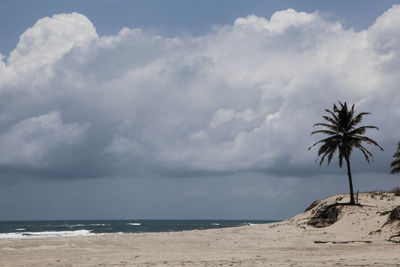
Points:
point(343, 242)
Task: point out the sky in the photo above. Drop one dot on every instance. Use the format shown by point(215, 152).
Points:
point(188, 109)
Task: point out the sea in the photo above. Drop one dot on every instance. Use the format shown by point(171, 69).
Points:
point(41, 229)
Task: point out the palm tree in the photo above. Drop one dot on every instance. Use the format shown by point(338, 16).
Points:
point(396, 162)
point(340, 125)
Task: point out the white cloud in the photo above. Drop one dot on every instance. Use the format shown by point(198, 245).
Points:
point(43, 44)
point(221, 116)
point(280, 21)
point(49, 39)
point(242, 97)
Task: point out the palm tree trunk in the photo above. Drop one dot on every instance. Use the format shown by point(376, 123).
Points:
point(352, 202)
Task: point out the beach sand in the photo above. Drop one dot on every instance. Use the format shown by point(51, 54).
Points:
point(358, 238)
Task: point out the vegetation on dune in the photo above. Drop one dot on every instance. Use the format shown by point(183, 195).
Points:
point(340, 125)
point(396, 191)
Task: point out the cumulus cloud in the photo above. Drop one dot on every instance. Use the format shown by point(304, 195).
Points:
point(240, 98)
point(49, 40)
point(279, 22)
point(33, 141)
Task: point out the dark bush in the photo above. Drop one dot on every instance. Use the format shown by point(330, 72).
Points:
point(394, 215)
point(325, 216)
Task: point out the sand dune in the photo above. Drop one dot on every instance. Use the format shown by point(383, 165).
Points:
point(359, 237)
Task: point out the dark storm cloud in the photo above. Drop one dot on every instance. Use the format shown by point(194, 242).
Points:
point(240, 99)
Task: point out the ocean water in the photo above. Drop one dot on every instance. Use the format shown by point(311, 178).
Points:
point(36, 229)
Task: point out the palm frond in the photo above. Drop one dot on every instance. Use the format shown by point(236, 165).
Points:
point(341, 156)
point(324, 132)
point(331, 120)
point(333, 150)
point(366, 153)
point(326, 140)
point(335, 108)
point(395, 163)
point(368, 140)
point(333, 115)
point(329, 126)
point(329, 152)
point(357, 119)
point(397, 153)
point(395, 170)
point(361, 130)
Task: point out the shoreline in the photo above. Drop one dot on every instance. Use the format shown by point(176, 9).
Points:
point(352, 240)
point(57, 228)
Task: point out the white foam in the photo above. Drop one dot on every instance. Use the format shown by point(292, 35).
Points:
point(44, 234)
point(249, 224)
point(10, 235)
point(76, 225)
point(20, 229)
point(135, 224)
point(98, 224)
point(215, 224)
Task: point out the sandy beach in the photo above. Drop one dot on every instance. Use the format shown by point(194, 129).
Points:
point(359, 237)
